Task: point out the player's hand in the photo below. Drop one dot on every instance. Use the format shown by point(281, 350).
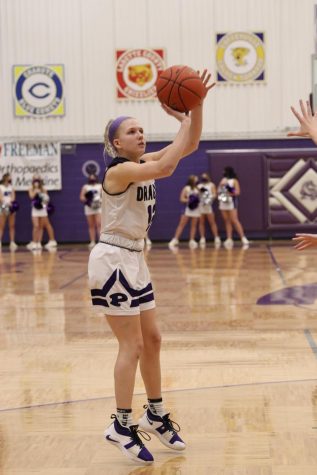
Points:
point(180, 116)
point(306, 119)
point(305, 240)
point(205, 76)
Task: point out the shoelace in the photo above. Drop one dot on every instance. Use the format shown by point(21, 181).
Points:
point(168, 423)
point(134, 433)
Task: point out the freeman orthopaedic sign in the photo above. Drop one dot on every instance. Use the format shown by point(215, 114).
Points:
point(25, 159)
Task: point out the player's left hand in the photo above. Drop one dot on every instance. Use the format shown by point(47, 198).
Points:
point(205, 76)
point(305, 240)
point(178, 115)
point(307, 121)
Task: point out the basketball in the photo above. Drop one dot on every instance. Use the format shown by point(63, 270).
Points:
point(180, 87)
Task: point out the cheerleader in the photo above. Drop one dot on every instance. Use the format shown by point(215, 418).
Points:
point(228, 192)
point(190, 196)
point(208, 193)
point(8, 207)
point(40, 221)
point(90, 195)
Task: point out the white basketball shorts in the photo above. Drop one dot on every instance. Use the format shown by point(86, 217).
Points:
point(119, 280)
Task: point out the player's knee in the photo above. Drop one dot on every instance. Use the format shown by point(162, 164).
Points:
point(137, 347)
point(153, 341)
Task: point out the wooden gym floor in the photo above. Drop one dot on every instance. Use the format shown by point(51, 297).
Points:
point(239, 363)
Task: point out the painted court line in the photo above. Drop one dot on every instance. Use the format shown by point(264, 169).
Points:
point(104, 398)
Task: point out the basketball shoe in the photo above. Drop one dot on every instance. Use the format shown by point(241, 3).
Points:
point(163, 427)
point(128, 441)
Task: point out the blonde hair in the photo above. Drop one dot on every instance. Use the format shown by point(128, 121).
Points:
point(109, 149)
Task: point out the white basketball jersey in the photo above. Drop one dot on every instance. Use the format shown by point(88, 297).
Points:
point(128, 214)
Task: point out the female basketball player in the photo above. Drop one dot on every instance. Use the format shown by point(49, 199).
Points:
point(190, 196)
point(119, 278)
point(90, 195)
point(208, 193)
point(308, 128)
point(7, 197)
point(228, 192)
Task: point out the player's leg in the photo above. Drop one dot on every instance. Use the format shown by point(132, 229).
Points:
point(122, 433)
point(156, 419)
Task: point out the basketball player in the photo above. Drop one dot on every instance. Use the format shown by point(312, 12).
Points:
point(308, 129)
point(190, 196)
point(208, 193)
point(7, 196)
point(90, 195)
point(228, 192)
point(119, 278)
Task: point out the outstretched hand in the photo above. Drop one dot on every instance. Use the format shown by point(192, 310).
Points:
point(307, 121)
point(205, 76)
point(305, 240)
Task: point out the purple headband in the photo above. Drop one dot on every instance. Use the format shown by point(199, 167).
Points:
point(115, 125)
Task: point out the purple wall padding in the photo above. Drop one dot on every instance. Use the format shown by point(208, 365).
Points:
point(69, 221)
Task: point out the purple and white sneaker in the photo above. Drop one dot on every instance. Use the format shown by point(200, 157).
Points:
point(164, 428)
point(128, 441)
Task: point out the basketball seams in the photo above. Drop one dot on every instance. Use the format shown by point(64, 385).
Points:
point(190, 90)
point(181, 99)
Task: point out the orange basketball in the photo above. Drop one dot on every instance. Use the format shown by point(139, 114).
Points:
point(180, 88)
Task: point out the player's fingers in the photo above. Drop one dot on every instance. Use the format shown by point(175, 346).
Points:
point(297, 115)
point(303, 109)
point(309, 109)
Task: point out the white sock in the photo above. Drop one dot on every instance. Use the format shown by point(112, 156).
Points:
point(156, 407)
point(124, 417)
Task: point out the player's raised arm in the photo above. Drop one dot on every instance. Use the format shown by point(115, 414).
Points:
point(196, 115)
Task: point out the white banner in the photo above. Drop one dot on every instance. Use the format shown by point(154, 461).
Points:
point(24, 159)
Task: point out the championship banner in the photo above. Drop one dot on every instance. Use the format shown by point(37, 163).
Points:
point(240, 57)
point(24, 159)
point(137, 71)
point(39, 90)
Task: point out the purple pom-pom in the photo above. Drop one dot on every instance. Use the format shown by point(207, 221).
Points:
point(14, 207)
point(193, 201)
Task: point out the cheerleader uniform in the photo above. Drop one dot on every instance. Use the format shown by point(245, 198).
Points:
point(226, 201)
point(95, 206)
point(7, 194)
point(192, 196)
point(42, 212)
point(206, 198)
point(119, 278)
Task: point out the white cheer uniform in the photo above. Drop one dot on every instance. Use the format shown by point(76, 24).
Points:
point(95, 207)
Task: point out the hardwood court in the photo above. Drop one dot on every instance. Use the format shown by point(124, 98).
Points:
point(240, 378)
